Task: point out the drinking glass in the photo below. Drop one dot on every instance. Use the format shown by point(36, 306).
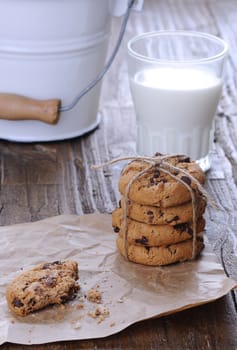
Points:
point(176, 79)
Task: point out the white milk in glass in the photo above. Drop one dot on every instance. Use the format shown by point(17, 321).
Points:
point(175, 110)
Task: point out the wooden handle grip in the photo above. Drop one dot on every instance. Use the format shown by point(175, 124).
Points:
point(16, 107)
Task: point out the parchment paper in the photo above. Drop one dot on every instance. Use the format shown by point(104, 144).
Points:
point(130, 292)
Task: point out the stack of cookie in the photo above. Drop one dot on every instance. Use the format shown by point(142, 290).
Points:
point(155, 219)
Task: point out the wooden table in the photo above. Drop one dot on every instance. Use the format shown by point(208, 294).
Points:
point(40, 180)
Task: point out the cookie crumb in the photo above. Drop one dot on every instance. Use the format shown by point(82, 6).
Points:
point(76, 322)
point(94, 295)
point(120, 300)
point(77, 325)
point(100, 313)
point(82, 298)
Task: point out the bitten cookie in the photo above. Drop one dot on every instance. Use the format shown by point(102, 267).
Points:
point(157, 188)
point(43, 285)
point(161, 216)
point(160, 256)
point(139, 233)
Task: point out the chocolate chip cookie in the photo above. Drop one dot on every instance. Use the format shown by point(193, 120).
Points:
point(163, 255)
point(155, 187)
point(160, 216)
point(43, 285)
point(143, 234)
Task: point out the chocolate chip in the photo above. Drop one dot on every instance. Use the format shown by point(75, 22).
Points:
point(184, 227)
point(57, 262)
point(71, 295)
point(26, 285)
point(175, 218)
point(150, 216)
point(143, 240)
point(186, 179)
point(64, 298)
point(17, 303)
point(152, 181)
point(184, 160)
point(156, 173)
point(181, 227)
point(48, 265)
point(32, 301)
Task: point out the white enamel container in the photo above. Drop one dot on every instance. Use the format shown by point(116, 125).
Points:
point(53, 49)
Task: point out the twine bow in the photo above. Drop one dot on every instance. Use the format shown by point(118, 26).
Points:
point(161, 163)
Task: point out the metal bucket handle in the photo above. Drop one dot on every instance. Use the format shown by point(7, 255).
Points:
point(17, 107)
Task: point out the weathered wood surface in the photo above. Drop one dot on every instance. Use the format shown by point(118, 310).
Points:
point(41, 180)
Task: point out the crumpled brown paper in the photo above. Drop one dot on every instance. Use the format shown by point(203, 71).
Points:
point(130, 292)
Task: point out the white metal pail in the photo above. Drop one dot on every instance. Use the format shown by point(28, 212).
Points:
point(53, 49)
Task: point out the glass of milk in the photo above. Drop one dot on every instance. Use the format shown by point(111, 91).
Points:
point(176, 79)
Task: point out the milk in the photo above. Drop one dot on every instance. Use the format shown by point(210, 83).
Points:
point(175, 110)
